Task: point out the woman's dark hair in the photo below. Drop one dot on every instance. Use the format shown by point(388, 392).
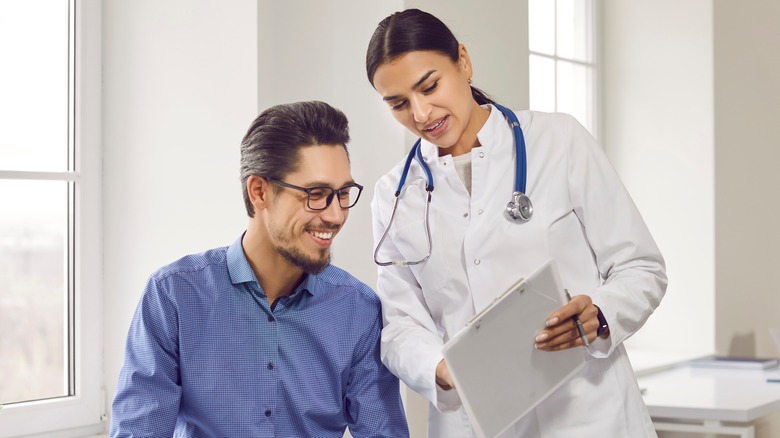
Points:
point(413, 30)
point(271, 145)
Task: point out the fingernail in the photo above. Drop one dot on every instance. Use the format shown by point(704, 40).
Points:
point(552, 321)
point(541, 337)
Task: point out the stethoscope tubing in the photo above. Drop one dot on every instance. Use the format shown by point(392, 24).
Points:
point(519, 209)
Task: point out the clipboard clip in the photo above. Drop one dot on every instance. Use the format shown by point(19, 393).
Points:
point(518, 287)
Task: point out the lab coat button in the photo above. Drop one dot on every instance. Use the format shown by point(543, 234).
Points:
point(481, 155)
point(465, 215)
point(480, 211)
point(476, 261)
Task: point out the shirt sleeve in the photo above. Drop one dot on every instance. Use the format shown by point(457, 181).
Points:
point(628, 260)
point(411, 344)
point(149, 388)
point(373, 399)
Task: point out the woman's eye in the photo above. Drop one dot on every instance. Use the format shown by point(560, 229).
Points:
point(398, 106)
point(432, 88)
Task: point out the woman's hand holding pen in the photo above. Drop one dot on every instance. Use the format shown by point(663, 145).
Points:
point(561, 330)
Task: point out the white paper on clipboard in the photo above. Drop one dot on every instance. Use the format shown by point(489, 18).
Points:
point(498, 373)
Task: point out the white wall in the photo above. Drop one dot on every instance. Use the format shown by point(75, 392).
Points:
point(747, 155)
point(179, 92)
point(658, 131)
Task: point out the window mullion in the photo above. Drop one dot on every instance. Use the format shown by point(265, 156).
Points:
point(38, 176)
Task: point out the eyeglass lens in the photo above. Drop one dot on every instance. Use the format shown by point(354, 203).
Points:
point(320, 198)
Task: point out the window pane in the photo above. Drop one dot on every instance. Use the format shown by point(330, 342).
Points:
point(575, 92)
point(541, 26)
point(34, 85)
point(33, 289)
point(575, 30)
point(542, 83)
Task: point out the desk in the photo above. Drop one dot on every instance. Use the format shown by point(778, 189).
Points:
point(683, 398)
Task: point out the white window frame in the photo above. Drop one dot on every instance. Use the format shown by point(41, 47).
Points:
point(83, 413)
point(596, 40)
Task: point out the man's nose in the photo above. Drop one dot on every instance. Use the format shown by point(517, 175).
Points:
point(333, 213)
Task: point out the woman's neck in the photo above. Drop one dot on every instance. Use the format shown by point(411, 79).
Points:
point(469, 139)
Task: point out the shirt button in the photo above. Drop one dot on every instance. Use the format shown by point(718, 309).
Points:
point(270, 365)
point(476, 261)
point(270, 318)
point(268, 413)
point(481, 155)
point(480, 211)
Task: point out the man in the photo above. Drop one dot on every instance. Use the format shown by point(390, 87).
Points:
point(265, 338)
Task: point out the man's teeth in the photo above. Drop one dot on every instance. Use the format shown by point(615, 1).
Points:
point(323, 235)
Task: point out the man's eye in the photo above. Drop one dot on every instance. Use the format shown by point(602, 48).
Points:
point(317, 193)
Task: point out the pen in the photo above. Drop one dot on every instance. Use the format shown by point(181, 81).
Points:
point(772, 380)
point(577, 321)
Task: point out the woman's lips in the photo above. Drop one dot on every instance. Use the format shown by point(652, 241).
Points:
point(437, 128)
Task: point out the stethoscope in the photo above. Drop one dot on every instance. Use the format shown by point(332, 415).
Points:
point(519, 209)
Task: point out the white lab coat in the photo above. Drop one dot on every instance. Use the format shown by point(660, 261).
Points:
point(583, 218)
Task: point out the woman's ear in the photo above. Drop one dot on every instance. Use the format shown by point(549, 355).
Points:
point(257, 188)
point(464, 61)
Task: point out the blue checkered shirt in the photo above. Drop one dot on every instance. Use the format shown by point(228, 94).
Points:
point(206, 356)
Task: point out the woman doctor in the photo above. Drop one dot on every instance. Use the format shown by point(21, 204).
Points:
point(582, 217)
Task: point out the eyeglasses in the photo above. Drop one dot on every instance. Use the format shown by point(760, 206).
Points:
point(319, 198)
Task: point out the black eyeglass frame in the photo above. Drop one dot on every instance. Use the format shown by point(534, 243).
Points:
point(328, 199)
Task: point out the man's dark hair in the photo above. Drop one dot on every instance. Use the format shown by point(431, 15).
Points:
point(271, 146)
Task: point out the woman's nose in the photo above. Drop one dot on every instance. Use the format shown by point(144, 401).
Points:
point(421, 110)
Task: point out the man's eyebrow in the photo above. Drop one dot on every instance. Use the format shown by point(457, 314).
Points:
point(414, 87)
point(317, 184)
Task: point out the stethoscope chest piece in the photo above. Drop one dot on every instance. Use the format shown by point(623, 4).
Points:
point(519, 209)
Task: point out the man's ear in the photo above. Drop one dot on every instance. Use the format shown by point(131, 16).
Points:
point(258, 189)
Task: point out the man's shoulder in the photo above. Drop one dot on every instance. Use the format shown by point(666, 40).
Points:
point(193, 264)
point(337, 280)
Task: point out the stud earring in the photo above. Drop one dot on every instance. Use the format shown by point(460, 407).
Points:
point(469, 81)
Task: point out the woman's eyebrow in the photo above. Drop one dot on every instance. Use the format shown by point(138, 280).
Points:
point(414, 87)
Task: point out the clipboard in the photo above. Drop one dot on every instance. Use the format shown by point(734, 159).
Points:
point(498, 373)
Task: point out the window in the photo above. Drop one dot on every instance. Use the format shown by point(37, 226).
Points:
point(49, 218)
point(563, 73)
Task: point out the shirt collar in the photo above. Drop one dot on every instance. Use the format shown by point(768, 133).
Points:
point(241, 272)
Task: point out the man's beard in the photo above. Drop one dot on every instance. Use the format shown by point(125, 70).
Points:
point(309, 265)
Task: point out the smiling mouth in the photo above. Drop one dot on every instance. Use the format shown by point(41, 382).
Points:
point(441, 122)
point(324, 235)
